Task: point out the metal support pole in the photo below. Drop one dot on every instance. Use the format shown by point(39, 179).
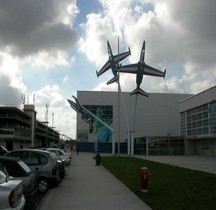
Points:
point(127, 121)
point(147, 146)
point(119, 117)
point(133, 129)
point(113, 143)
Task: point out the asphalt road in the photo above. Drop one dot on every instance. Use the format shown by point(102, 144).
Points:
point(35, 200)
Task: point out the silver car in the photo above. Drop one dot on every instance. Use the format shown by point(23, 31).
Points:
point(43, 163)
point(16, 168)
point(61, 154)
point(11, 194)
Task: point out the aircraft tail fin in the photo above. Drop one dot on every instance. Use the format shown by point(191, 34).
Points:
point(164, 73)
point(114, 79)
point(97, 74)
point(139, 91)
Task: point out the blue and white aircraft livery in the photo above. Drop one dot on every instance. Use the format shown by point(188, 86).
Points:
point(141, 69)
point(112, 63)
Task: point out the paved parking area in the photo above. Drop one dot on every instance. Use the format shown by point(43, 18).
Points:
point(90, 187)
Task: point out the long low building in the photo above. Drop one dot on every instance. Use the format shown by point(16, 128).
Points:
point(20, 129)
point(162, 124)
point(152, 121)
point(198, 122)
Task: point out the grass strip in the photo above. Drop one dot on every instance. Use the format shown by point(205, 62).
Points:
point(169, 187)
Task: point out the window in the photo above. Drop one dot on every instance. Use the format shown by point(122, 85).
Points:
point(199, 124)
point(205, 122)
point(30, 158)
point(199, 116)
point(194, 117)
point(189, 119)
point(43, 159)
point(24, 166)
point(200, 131)
point(205, 114)
point(205, 130)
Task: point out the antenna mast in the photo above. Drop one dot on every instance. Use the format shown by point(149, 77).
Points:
point(46, 113)
point(53, 120)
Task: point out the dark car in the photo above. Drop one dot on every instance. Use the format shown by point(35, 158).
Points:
point(3, 150)
point(18, 169)
point(62, 168)
point(43, 163)
point(62, 155)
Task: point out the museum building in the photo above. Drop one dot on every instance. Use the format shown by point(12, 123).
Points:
point(162, 124)
point(154, 122)
point(198, 122)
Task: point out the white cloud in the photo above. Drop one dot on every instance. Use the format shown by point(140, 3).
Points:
point(11, 84)
point(37, 35)
point(176, 33)
point(48, 60)
point(40, 35)
point(64, 116)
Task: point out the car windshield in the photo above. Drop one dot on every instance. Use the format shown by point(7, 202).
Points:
point(54, 158)
point(2, 177)
point(24, 166)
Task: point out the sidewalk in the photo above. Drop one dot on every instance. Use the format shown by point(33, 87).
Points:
point(90, 187)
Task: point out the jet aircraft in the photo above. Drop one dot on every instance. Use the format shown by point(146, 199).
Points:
point(76, 106)
point(112, 63)
point(141, 69)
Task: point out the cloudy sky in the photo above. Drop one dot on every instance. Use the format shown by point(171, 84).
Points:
point(50, 49)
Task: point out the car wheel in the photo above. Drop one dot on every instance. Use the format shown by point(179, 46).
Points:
point(42, 185)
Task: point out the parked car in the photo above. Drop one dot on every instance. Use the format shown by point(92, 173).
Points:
point(11, 193)
point(62, 167)
point(61, 154)
point(43, 163)
point(18, 169)
point(61, 164)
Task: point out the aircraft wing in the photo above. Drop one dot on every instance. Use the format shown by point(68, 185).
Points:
point(148, 70)
point(76, 106)
point(121, 56)
point(116, 58)
point(106, 66)
point(131, 68)
point(73, 105)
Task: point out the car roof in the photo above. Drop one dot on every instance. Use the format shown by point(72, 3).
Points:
point(50, 148)
point(7, 158)
point(30, 150)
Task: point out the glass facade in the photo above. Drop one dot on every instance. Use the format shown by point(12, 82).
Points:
point(159, 145)
point(212, 117)
point(200, 120)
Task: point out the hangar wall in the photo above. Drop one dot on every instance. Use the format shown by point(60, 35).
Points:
point(157, 115)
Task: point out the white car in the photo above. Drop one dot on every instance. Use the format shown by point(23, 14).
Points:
point(11, 193)
point(61, 154)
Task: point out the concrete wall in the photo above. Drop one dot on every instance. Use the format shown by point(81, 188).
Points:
point(157, 115)
point(198, 99)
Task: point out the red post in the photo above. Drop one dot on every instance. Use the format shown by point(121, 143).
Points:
point(144, 179)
